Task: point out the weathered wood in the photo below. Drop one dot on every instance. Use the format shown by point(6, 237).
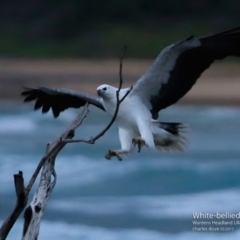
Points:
point(34, 212)
point(20, 205)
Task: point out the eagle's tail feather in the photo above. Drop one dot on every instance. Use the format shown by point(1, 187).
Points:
point(172, 137)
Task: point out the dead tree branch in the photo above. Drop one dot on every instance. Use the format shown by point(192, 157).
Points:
point(34, 213)
point(47, 163)
point(55, 146)
point(20, 205)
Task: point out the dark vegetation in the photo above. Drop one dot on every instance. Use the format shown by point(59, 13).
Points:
point(87, 28)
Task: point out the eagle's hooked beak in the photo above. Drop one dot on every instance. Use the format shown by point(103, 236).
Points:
point(99, 92)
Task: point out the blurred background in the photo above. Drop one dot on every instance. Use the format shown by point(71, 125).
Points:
point(147, 196)
point(94, 29)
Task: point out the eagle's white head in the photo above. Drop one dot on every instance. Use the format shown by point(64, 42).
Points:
point(106, 91)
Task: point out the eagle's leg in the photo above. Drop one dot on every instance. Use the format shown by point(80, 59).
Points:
point(115, 153)
point(145, 130)
point(125, 137)
point(139, 142)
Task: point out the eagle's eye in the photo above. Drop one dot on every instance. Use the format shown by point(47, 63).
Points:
point(104, 89)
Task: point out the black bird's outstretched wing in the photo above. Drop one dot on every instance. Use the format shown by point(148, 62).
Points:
point(59, 99)
point(178, 66)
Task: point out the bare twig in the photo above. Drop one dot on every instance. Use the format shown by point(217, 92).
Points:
point(88, 141)
point(92, 140)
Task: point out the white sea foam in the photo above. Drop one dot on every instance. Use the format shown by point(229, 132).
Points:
point(89, 171)
point(220, 113)
point(184, 205)
point(154, 207)
point(16, 124)
point(63, 231)
point(11, 164)
point(77, 171)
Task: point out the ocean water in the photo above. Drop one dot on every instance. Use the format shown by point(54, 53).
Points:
point(147, 196)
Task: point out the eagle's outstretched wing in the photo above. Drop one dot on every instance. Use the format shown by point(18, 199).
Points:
point(178, 66)
point(59, 99)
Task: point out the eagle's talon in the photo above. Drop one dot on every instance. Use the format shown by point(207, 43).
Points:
point(113, 154)
point(139, 142)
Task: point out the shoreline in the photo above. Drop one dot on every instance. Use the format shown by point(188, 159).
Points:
point(218, 85)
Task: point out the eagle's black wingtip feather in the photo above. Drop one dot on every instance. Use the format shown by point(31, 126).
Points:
point(56, 114)
point(233, 30)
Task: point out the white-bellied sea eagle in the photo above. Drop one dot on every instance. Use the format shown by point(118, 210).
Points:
point(171, 76)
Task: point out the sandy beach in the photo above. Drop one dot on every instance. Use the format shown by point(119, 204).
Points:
point(219, 85)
